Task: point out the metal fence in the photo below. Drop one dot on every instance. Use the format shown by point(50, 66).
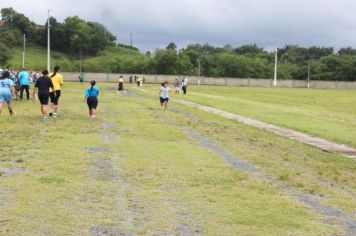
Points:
point(194, 80)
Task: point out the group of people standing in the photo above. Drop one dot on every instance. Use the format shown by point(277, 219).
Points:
point(48, 87)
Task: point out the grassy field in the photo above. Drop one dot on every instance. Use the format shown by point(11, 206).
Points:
point(330, 114)
point(139, 170)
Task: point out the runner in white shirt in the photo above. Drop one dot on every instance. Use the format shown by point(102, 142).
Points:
point(164, 95)
point(185, 85)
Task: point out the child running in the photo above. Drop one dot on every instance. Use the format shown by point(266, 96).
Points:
point(43, 84)
point(57, 80)
point(7, 91)
point(91, 96)
point(164, 95)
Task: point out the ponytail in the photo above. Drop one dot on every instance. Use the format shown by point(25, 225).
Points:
point(56, 69)
point(92, 83)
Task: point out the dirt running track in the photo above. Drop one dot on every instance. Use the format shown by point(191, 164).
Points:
point(284, 132)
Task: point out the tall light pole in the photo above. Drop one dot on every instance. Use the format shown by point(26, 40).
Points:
point(48, 44)
point(24, 51)
point(275, 69)
point(131, 40)
point(199, 70)
point(308, 74)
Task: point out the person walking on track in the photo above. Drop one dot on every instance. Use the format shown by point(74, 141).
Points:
point(57, 80)
point(43, 85)
point(91, 96)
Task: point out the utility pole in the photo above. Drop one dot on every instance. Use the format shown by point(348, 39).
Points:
point(48, 44)
point(308, 74)
point(24, 51)
point(275, 69)
point(199, 70)
point(131, 41)
point(81, 64)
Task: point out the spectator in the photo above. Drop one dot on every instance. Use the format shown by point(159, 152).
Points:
point(24, 80)
point(7, 91)
point(185, 85)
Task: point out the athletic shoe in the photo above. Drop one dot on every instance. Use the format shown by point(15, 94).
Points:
point(54, 115)
point(44, 118)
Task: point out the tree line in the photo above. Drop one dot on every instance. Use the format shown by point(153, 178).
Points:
point(74, 36)
point(93, 41)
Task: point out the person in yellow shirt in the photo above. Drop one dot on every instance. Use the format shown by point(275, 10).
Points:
point(121, 84)
point(57, 80)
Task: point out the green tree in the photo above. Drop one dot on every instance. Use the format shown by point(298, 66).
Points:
point(5, 54)
point(172, 46)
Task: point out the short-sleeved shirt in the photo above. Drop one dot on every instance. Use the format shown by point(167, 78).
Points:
point(164, 91)
point(24, 78)
point(5, 90)
point(185, 82)
point(5, 85)
point(43, 84)
point(92, 92)
point(57, 81)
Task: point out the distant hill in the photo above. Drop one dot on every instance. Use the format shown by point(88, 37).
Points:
point(109, 60)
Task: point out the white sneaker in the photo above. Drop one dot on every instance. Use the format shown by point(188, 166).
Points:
point(54, 115)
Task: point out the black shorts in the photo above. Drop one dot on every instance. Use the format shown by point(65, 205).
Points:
point(43, 98)
point(121, 86)
point(92, 102)
point(162, 100)
point(54, 99)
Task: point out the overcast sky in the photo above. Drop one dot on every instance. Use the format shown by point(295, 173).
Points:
point(155, 23)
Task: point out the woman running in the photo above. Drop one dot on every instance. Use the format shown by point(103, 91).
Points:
point(43, 85)
point(7, 91)
point(164, 95)
point(57, 80)
point(91, 95)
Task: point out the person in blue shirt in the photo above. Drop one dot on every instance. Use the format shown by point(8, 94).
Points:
point(7, 90)
point(24, 78)
point(91, 96)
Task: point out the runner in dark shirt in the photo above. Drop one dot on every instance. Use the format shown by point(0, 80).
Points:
point(43, 84)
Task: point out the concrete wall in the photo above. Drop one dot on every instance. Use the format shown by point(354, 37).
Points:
point(155, 79)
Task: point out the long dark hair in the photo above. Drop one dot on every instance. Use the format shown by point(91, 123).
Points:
point(56, 69)
point(92, 83)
